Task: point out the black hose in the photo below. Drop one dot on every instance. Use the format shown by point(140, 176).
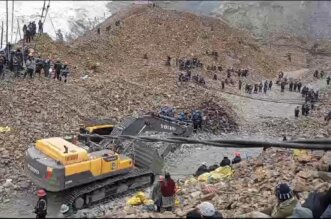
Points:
point(312, 144)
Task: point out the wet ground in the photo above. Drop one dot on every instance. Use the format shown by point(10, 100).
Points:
point(187, 158)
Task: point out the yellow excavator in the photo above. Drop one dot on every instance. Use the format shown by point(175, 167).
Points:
point(88, 170)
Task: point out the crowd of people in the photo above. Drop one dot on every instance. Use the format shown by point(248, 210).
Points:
point(19, 62)
point(23, 61)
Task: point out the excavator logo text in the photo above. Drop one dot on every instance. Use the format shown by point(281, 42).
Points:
point(168, 127)
point(34, 170)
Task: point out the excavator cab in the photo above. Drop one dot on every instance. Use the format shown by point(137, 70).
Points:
point(100, 127)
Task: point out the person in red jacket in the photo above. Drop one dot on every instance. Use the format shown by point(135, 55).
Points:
point(168, 191)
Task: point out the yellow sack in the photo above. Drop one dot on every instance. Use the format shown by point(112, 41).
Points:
point(224, 171)
point(137, 199)
point(141, 195)
point(191, 181)
point(177, 202)
point(134, 201)
point(298, 152)
point(148, 202)
point(204, 177)
point(4, 129)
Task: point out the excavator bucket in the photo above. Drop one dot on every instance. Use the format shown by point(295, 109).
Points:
point(144, 155)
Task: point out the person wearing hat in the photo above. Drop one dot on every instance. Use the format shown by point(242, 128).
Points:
point(204, 210)
point(168, 191)
point(286, 202)
point(237, 158)
point(41, 207)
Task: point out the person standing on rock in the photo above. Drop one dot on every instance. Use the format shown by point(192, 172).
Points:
point(322, 74)
point(295, 85)
point(240, 84)
point(255, 88)
point(299, 86)
point(57, 68)
point(64, 72)
point(260, 87)
point(296, 112)
point(41, 206)
point(168, 190)
point(282, 86)
point(265, 88)
point(328, 80)
point(156, 194)
point(40, 27)
point(28, 35)
point(291, 86)
point(197, 120)
point(47, 66)
point(223, 85)
point(30, 66)
point(270, 85)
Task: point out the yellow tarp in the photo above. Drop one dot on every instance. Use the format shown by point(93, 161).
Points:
point(300, 152)
point(4, 129)
point(216, 175)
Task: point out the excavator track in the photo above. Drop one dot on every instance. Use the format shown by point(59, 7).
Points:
point(108, 185)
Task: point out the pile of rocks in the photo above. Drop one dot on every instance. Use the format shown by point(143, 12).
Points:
point(250, 189)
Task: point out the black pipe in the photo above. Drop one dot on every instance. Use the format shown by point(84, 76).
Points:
point(317, 145)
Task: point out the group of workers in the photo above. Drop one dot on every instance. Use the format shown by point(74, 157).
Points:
point(267, 85)
point(33, 66)
point(30, 30)
point(196, 117)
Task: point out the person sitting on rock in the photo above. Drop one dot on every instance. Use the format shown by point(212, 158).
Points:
point(212, 167)
point(168, 191)
point(286, 202)
point(201, 170)
point(204, 210)
point(225, 162)
point(237, 158)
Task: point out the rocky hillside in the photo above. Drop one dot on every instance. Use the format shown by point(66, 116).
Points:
point(119, 81)
point(304, 18)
